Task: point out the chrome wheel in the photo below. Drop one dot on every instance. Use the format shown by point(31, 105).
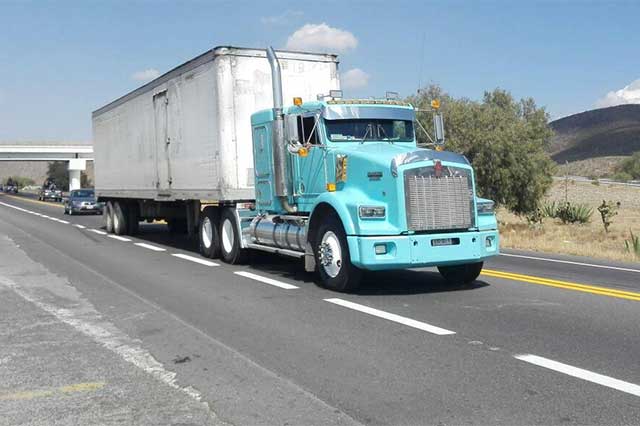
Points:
point(330, 254)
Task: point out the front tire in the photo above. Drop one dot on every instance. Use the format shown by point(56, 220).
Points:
point(208, 237)
point(461, 274)
point(230, 240)
point(333, 259)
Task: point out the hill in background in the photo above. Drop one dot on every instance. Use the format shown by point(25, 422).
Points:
point(604, 132)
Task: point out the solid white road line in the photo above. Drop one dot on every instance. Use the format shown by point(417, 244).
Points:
point(265, 280)
point(63, 221)
point(97, 231)
point(581, 373)
point(119, 238)
point(616, 268)
point(150, 247)
point(77, 225)
point(195, 259)
point(392, 317)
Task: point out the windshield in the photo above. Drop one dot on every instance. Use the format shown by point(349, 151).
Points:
point(82, 194)
point(369, 130)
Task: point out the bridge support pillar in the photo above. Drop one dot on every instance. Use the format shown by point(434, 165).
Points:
point(76, 167)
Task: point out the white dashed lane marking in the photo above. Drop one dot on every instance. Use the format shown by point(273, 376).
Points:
point(392, 317)
point(266, 280)
point(150, 247)
point(77, 225)
point(580, 373)
point(97, 231)
point(195, 259)
point(119, 238)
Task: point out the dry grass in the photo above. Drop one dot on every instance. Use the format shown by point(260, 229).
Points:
point(581, 240)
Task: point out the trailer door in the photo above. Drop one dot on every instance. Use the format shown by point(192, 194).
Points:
point(160, 103)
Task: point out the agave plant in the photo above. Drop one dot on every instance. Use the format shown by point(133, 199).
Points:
point(574, 213)
point(633, 244)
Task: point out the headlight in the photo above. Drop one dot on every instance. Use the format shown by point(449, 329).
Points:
point(368, 212)
point(486, 207)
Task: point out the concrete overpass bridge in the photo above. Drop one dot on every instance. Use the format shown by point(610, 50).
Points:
point(76, 154)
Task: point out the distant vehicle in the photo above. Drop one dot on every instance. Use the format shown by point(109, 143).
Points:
point(50, 193)
point(11, 189)
point(82, 201)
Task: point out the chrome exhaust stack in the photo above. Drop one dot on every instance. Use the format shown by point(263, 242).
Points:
point(279, 145)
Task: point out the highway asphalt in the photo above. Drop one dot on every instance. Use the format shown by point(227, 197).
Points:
point(538, 339)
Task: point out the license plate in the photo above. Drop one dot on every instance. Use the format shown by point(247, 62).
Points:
point(445, 242)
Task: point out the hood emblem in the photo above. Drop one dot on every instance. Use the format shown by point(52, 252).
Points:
point(438, 168)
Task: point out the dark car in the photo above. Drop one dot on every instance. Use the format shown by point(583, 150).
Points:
point(50, 194)
point(82, 201)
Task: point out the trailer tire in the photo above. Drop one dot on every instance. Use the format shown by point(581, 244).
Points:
point(108, 217)
point(461, 274)
point(120, 216)
point(208, 239)
point(333, 260)
point(230, 240)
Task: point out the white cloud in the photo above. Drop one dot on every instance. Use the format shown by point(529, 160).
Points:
point(355, 78)
point(283, 18)
point(629, 94)
point(321, 37)
point(146, 75)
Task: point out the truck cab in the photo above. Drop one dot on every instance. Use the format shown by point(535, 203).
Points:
point(361, 195)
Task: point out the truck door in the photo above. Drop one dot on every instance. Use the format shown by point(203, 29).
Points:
point(161, 122)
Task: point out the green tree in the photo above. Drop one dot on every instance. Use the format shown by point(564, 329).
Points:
point(504, 139)
point(630, 167)
point(58, 171)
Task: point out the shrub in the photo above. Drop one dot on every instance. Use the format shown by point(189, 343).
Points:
point(630, 167)
point(550, 210)
point(622, 177)
point(574, 213)
point(633, 244)
point(607, 211)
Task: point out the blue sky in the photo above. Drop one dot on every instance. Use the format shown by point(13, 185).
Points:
point(61, 60)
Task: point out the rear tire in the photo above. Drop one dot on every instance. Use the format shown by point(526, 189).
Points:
point(230, 250)
point(208, 237)
point(461, 274)
point(120, 217)
point(333, 260)
point(108, 217)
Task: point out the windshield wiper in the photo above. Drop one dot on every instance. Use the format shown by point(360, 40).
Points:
point(369, 130)
point(380, 128)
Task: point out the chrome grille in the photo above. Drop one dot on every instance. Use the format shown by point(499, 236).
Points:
point(439, 203)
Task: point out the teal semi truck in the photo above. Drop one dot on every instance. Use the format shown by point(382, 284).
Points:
point(338, 183)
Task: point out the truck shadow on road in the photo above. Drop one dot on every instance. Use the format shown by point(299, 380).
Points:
point(378, 283)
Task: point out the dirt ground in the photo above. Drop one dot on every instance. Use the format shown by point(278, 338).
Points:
point(583, 240)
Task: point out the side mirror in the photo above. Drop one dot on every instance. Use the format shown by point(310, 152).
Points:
point(291, 129)
point(438, 126)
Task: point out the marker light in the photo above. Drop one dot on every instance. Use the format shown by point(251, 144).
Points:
point(303, 152)
point(331, 187)
point(297, 101)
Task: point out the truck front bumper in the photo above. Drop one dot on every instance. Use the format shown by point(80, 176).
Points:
point(422, 250)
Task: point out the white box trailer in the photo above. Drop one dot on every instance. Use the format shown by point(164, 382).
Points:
point(187, 134)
